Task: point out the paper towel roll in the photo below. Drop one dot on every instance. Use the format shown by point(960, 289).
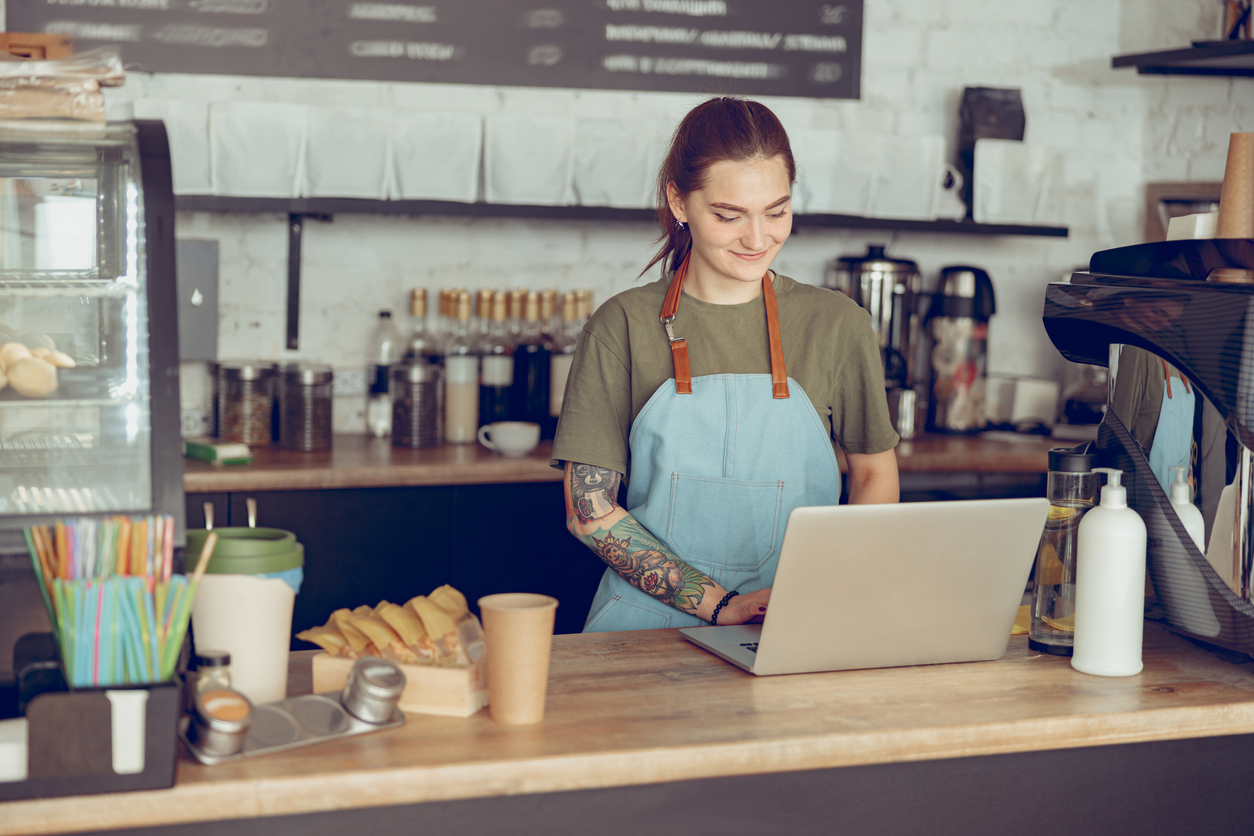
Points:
point(1236, 201)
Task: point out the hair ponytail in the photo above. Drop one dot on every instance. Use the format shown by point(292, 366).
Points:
point(714, 131)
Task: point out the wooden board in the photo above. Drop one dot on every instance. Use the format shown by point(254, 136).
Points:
point(450, 692)
point(647, 707)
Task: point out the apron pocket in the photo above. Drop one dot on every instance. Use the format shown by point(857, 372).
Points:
point(724, 523)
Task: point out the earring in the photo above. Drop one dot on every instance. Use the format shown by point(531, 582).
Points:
point(680, 225)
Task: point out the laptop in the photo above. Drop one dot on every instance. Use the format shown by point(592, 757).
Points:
point(878, 586)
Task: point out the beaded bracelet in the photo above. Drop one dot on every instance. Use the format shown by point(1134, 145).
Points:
point(721, 604)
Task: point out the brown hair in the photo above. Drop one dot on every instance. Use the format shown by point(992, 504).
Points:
point(714, 131)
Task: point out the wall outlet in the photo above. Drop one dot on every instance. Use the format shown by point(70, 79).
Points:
point(349, 383)
point(193, 423)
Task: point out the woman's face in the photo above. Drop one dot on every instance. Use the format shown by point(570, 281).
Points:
point(739, 220)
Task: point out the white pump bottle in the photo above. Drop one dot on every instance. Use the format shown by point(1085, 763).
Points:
point(1190, 515)
point(1110, 585)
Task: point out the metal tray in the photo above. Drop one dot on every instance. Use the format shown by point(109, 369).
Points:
point(294, 722)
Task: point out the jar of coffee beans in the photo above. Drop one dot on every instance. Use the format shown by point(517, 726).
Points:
point(246, 399)
point(305, 407)
point(417, 405)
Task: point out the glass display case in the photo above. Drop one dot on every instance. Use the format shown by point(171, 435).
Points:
point(88, 342)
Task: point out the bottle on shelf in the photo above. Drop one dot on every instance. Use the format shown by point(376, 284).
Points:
point(529, 398)
point(585, 305)
point(483, 312)
point(385, 349)
point(421, 347)
point(517, 301)
point(497, 375)
point(563, 347)
point(550, 313)
point(461, 378)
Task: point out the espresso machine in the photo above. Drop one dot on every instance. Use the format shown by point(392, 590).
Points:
point(1174, 323)
point(890, 290)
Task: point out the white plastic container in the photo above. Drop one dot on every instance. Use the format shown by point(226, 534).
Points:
point(251, 617)
point(1110, 585)
point(1188, 513)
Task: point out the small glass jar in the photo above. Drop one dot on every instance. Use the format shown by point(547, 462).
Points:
point(213, 670)
point(305, 407)
point(246, 400)
point(417, 405)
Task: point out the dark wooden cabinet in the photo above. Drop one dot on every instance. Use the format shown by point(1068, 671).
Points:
point(365, 545)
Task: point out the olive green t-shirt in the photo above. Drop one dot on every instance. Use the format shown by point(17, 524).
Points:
point(623, 356)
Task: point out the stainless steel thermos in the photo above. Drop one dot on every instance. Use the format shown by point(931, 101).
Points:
point(957, 324)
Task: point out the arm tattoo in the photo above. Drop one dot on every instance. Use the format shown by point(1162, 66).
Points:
point(649, 566)
point(593, 491)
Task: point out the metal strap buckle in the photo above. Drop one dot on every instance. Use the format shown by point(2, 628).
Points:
point(670, 332)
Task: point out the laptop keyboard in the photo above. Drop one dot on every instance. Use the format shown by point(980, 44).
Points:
point(751, 645)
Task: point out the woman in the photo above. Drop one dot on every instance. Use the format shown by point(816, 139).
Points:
point(716, 393)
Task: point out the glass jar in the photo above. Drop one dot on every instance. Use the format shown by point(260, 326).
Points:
point(417, 405)
point(246, 401)
point(213, 670)
point(1071, 487)
point(305, 407)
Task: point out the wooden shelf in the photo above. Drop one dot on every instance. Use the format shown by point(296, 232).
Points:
point(334, 205)
point(1223, 58)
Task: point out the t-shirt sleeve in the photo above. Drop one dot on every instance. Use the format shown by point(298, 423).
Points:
point(860, 422)
point(596, 408)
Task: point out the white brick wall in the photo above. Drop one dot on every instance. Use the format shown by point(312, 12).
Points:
point(1114, 129)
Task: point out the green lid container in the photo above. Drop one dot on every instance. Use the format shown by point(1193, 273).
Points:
point(247, 551)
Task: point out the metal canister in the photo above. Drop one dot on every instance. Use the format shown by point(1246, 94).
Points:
point(958, 326)
point(417, 405)
point(220, 722)
point(305, 406)
point(373, 690)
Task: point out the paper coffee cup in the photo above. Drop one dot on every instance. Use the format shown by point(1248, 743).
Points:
point(518, 630)
point(250, 618)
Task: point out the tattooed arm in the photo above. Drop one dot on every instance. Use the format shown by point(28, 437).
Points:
point(594, 516)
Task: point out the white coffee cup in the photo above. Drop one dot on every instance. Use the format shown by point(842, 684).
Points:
point(510, 438)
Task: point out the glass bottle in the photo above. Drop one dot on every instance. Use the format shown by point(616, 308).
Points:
point(461, 378)
point(1071, 488)
point(550, 313)
point(497, 375)
point(483, 313)
point(529, 397)
point(564, 343)
point(385, 349)
point(517, 302)
point(421, 346)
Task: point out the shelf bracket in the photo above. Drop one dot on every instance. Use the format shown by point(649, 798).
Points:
point(295, 229)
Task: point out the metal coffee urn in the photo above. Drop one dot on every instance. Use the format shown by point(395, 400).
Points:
point(957, 325)
point(889, 289)
point(1179, 345)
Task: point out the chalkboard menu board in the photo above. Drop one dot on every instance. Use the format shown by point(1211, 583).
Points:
point(747, 47)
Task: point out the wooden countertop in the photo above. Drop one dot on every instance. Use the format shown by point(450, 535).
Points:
point(357, 461)
point(648, 707)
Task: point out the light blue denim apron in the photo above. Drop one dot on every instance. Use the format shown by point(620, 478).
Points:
point(714, 476)
point(1173, 436)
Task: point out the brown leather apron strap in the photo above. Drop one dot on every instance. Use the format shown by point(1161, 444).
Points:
point(779, 377)
point(679, 346)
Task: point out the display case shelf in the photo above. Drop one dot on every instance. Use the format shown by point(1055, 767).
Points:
point(58, 286)
point(1221, 58)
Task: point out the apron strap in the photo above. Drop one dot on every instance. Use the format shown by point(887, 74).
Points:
point(679, 346)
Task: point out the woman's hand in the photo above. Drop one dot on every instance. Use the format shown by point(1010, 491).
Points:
point(748, 608)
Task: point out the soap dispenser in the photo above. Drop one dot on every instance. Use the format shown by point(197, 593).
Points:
point(1110, 585)
point(1190, 515)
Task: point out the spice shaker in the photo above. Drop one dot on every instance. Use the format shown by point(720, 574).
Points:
point(246, 401)
point(213, 670)
point(220, 722)
point(373, 689)
point(417, 405)
point(305, 407)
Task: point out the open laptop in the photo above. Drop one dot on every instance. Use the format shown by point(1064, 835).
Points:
point(877, 586)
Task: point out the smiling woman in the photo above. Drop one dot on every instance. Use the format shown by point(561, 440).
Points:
point(715, 393)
